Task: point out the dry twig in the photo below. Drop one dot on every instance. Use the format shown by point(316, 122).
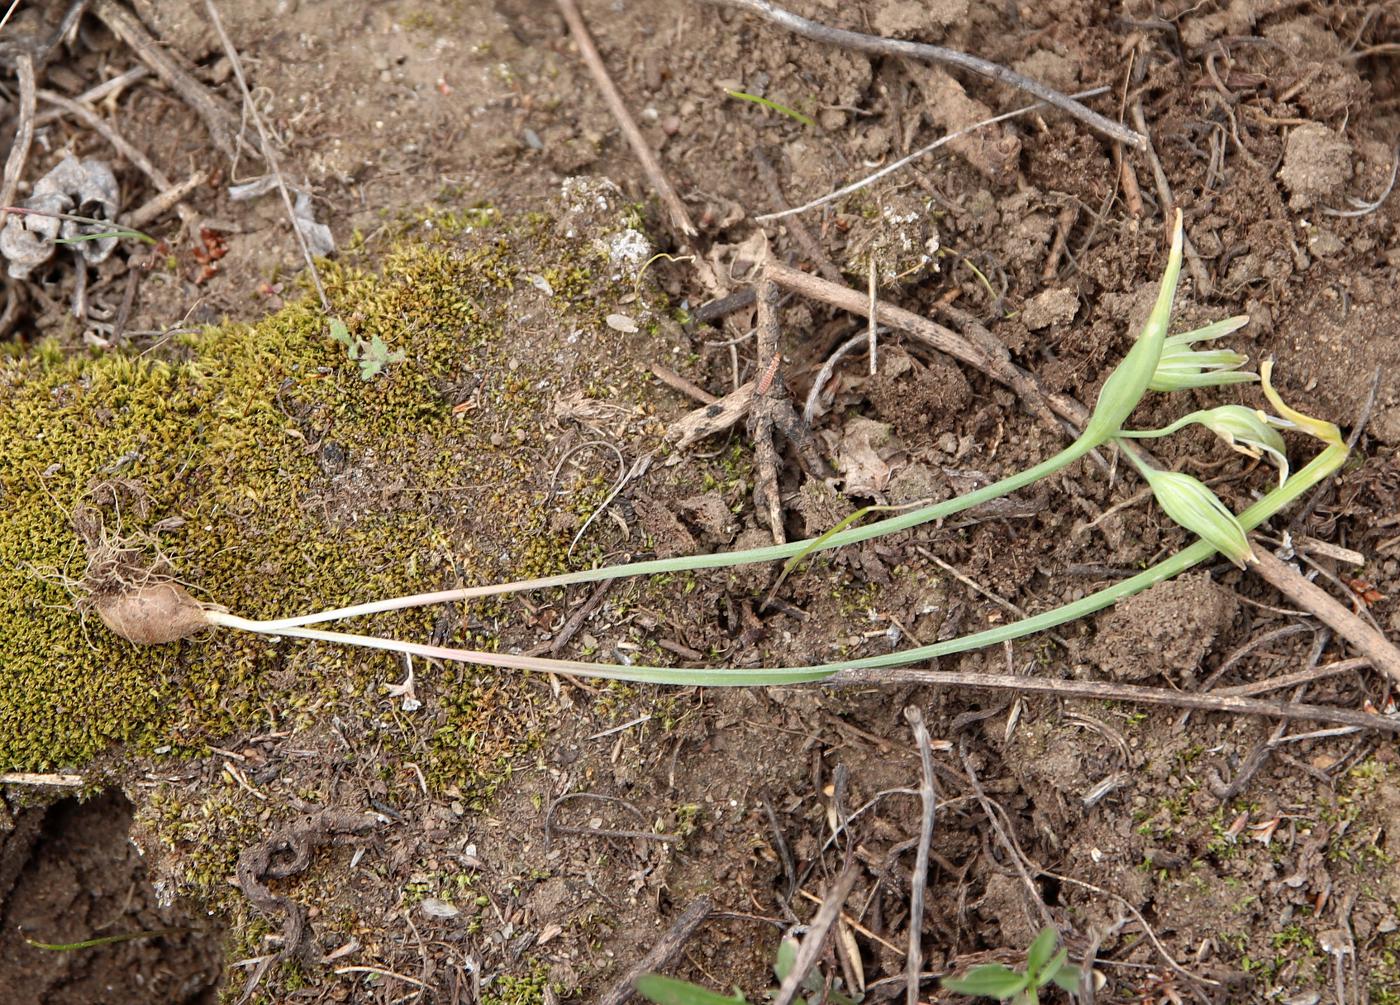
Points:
point(662, 952)
point(1379, 650)
point(1106, 691)
point(928, 797)
point(217, 119)
point(680, 216)
point(766, 399)
point(936, 54)
point(889, 169)
point(816, 935)
point(24, 133)
point(994, 365)
point(1204, 287)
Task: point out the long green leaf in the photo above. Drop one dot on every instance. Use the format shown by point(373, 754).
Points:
point(669, 991)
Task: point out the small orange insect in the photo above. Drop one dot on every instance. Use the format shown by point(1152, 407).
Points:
point(768, 375)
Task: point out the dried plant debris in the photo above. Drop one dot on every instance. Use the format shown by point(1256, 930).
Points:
point(73, 188)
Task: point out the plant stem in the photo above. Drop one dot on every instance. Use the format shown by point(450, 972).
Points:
point(1319, 468)
point(719, 560)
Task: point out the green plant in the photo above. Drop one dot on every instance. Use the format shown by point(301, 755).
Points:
point(1184, 498)
point(124, 233)
point(373, 356)
point(1043, 966)
point(791, 113)
point(664, 990)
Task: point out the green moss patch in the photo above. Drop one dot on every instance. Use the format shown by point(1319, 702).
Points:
point(273, 478)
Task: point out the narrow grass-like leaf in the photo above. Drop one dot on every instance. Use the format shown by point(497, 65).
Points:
point(1302, 481)
point(670, 991)
point(791, 113)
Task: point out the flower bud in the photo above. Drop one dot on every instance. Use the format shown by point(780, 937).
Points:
point(1179, 367)
point(1248, 431)
point(1193, 506)
point(1129, 380)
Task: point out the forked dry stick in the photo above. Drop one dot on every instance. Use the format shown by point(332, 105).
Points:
point(217, 119)
point(936, 54)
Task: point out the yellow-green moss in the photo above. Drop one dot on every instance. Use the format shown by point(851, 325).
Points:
point(275, 480)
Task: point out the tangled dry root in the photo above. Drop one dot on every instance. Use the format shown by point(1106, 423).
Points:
point(135, 596)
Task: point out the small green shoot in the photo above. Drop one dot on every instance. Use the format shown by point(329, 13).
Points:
point(793, 114)
point(125, 233)
point(373, 356)
point(1043, 966)
point(106, 940)
point(670, 991)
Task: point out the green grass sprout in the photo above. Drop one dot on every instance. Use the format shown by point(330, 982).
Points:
point(791, 113)
point(125, 233)
point(105, 940)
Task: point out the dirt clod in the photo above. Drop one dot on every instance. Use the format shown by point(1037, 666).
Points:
point(1317, 162)
point(1167, 629)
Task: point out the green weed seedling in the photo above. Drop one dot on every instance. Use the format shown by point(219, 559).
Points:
point(662, 990)
point(373, 356)
point(160, 611)
point(1021, 987)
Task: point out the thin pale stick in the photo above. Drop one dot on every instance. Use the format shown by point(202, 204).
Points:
point(680, 216)
point(24, 133)
point(1204, 287)
point(1107, 691)
point(888, 169)
point(928, 796)
point(936, 54)
point(816, 936)
point(97, 92)
point(34, 778)
point(268, 155)
point(163, 202)
point(1004, 835)
point(870, 319)
point(1289, 680)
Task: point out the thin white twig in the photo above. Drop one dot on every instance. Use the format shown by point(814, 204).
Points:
point(928, 795)
point(33, 778)
point(922, 151)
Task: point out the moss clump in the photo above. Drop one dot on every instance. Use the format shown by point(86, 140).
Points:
point(272, 478)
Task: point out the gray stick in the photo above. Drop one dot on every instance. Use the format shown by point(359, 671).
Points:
point(937, 54)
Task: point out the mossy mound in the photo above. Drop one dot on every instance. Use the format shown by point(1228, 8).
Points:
point(272, 477)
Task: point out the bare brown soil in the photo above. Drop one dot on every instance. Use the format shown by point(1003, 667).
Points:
point(1265, 873)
